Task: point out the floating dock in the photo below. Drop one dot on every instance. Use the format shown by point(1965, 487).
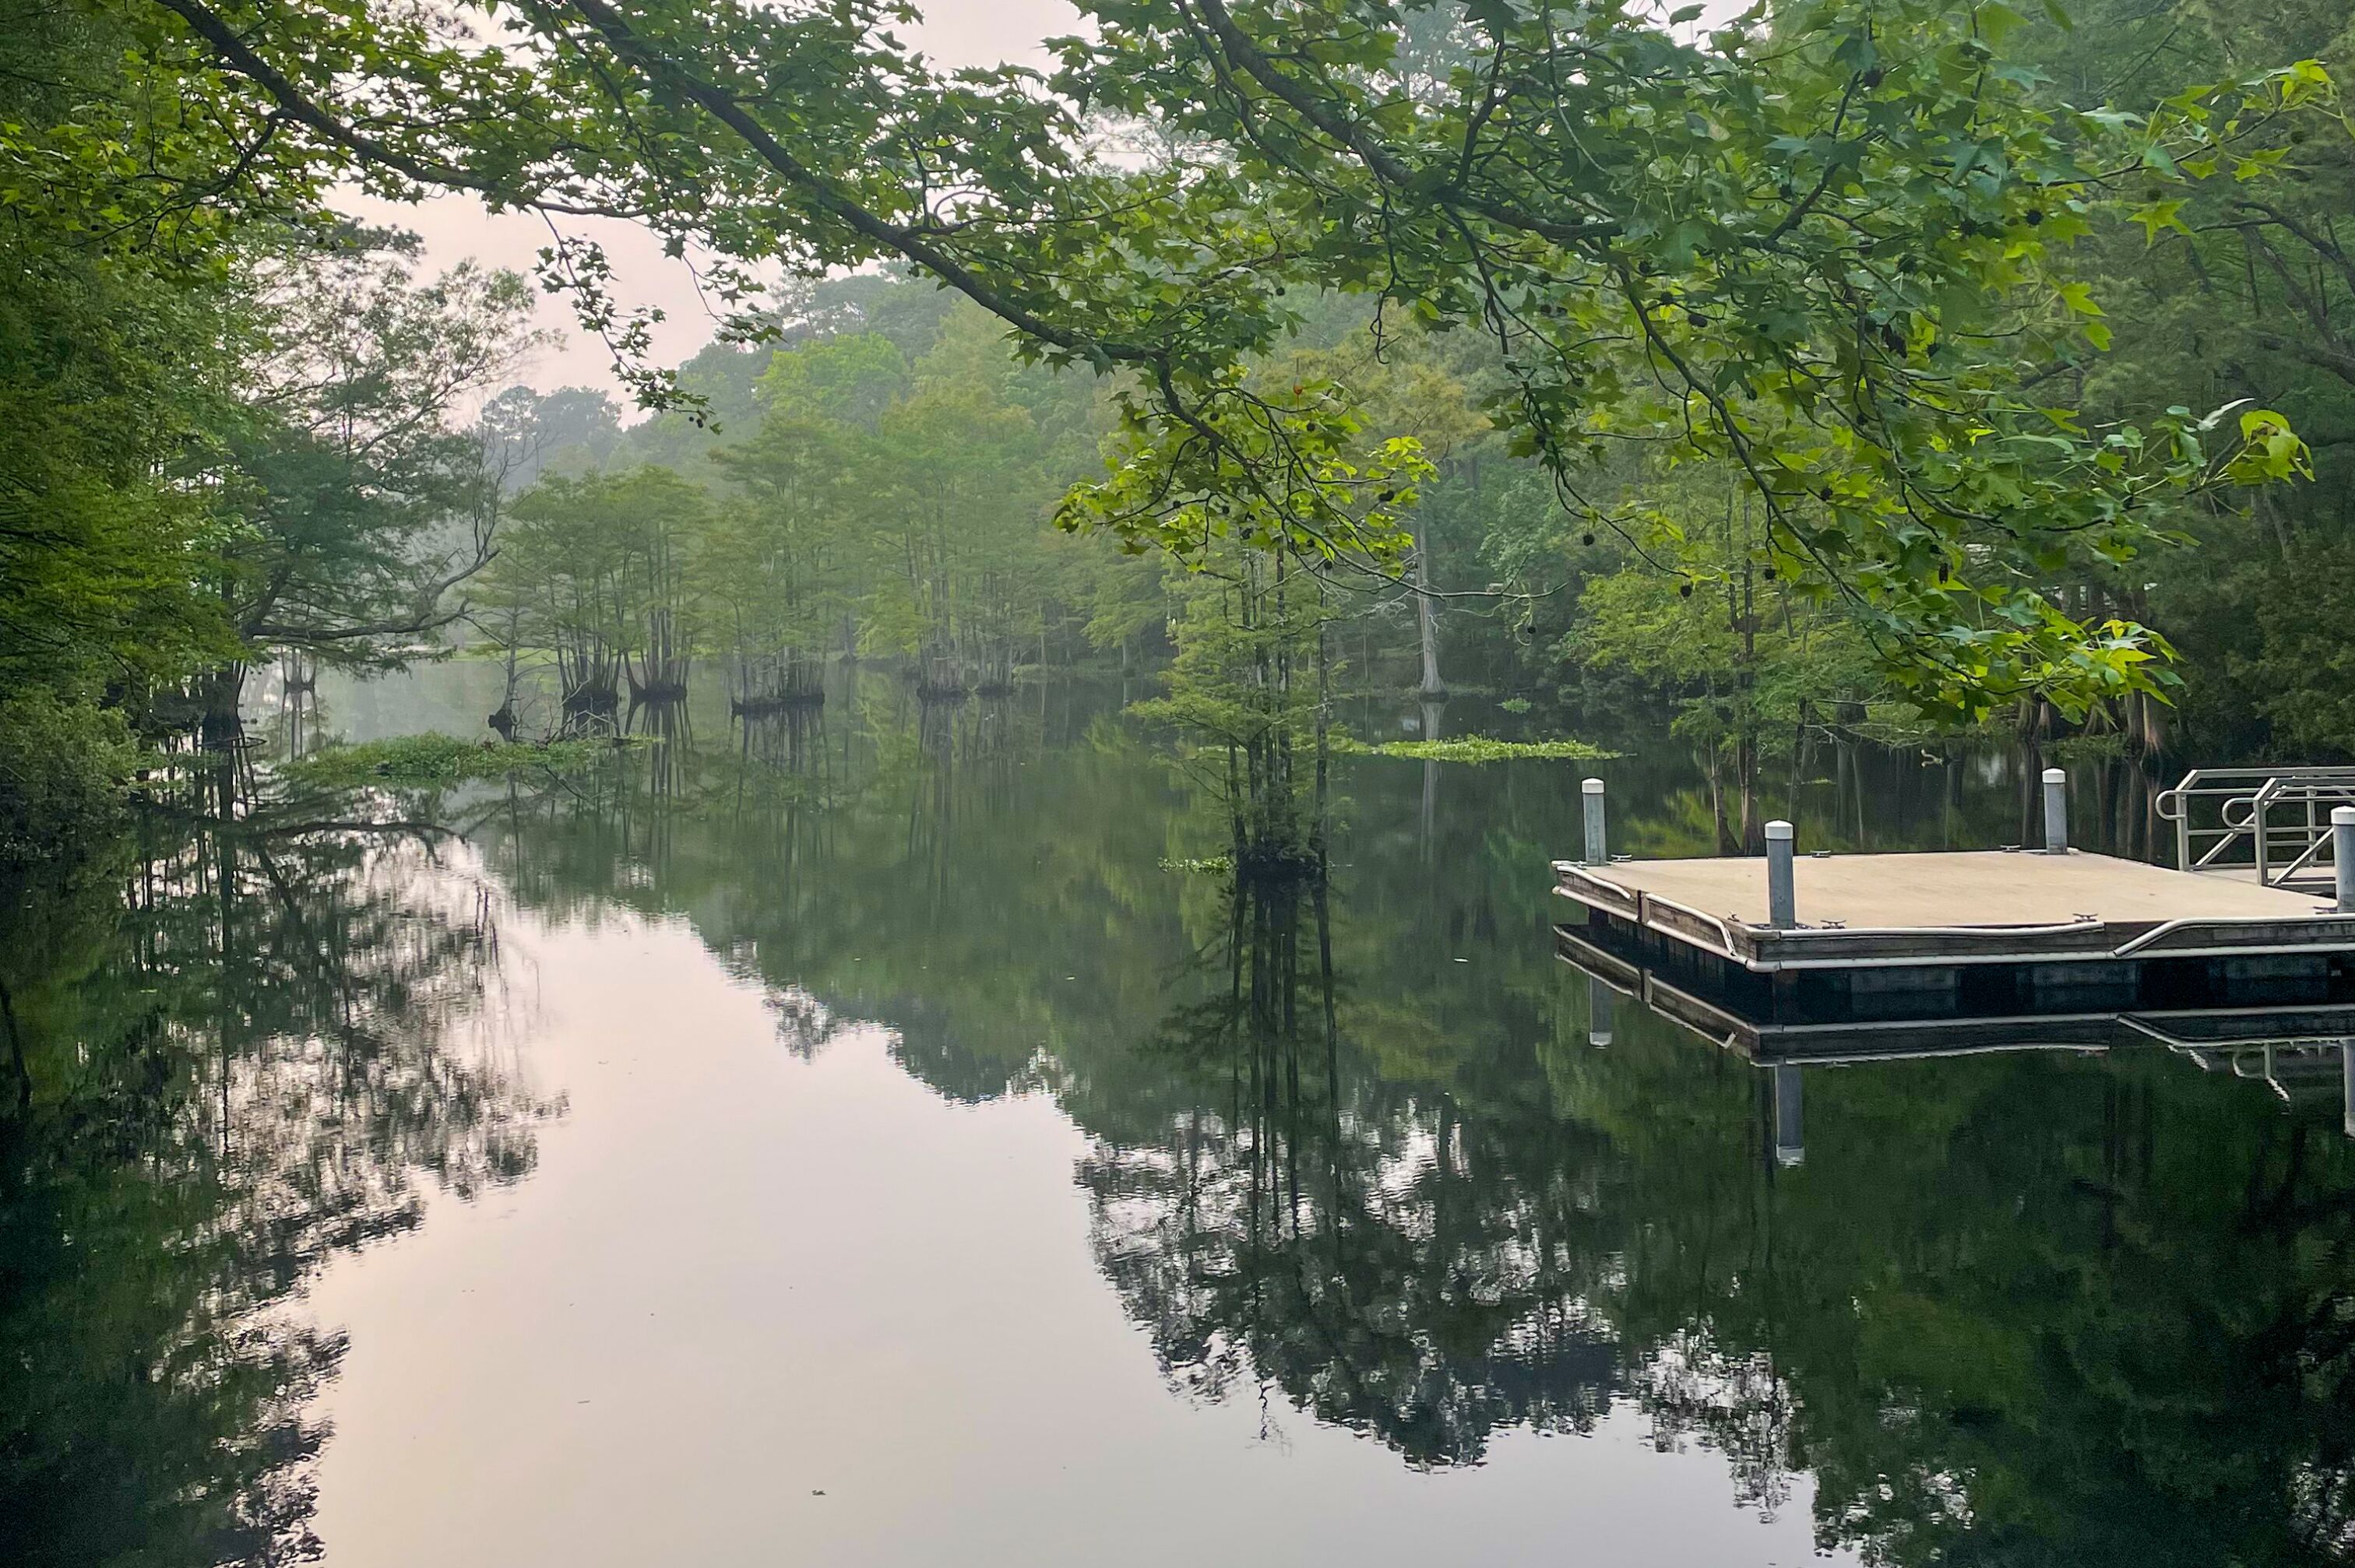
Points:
point(1966, 907)
point(1793, 938)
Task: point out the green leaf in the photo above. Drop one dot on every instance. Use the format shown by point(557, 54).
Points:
point(2156, 216)
point(2079, 297)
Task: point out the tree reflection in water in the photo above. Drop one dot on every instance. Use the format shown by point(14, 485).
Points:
point(233, 1047)
point(1301, 1227)
point(2040, 1308)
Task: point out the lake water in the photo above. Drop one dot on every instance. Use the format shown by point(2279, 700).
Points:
point(871, 1141)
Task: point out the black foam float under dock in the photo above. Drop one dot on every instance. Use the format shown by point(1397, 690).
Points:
point(1853, 1038)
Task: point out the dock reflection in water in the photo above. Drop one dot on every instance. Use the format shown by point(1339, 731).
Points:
point(2102, 1260)
point(2303, 1053)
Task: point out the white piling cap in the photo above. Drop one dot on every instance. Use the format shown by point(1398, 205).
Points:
point(1592, 785)
point(2056, 776)
point(2342, 816)
point(1778, 829)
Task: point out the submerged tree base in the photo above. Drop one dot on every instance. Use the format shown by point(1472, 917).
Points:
point(1277, 864)
point(780, 703)
point(591, 701)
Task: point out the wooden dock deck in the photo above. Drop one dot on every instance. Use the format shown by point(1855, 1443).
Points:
point(1948, 908)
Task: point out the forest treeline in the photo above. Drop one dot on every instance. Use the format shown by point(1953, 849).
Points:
point(237, 427)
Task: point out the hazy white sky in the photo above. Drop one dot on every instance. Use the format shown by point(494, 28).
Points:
point(954, 33)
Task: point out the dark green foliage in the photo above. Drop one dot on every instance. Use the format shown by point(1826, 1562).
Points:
point(2241, 289)
point(119, 341)
point(224, 414)
point(62, 766)
point(354, 506)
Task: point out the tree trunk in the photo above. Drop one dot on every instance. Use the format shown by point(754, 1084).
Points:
point(1431, 724)
point(221, 698)
point(1426, 616)
point(1745, 764)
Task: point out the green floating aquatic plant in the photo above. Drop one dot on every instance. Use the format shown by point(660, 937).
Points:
point(1206, 865)
point(1476, 748)
point(433, 760)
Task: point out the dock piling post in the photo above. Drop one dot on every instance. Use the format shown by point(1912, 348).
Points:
point(2346, 1080)
point(1598, 1012)
point(2056, 812)
point(2342, 855)
point(1790, 1138)
point(1598, 851)
point(1782, 892)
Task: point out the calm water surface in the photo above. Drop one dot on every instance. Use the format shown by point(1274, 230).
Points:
point(863, 1141)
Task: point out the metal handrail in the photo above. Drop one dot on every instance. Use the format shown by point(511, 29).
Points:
point(2245, 800)
point(2336, 785)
